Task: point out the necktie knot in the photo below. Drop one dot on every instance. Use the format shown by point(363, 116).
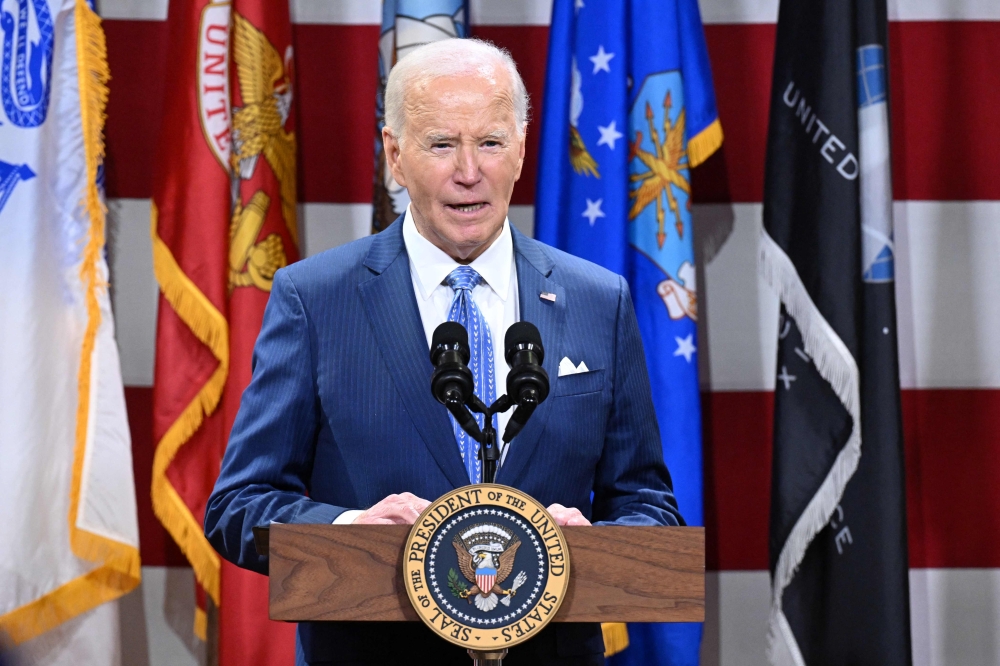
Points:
point(463, 277)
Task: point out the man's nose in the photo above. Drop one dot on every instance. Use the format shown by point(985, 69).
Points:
point(467, 166)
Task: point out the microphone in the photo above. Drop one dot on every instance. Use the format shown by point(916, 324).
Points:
point(452, 383)
point(527, 381)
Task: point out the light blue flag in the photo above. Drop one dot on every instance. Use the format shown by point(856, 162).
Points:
point(629, 109)
point(406, 25)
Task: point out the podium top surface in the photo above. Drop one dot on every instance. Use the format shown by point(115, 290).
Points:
point(354, 573)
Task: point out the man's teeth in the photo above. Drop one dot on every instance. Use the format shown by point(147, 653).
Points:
point(468, 208)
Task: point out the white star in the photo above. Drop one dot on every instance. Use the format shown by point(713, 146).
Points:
point(685, 347)
point(578, 5)
point(609, 135)
point(600, 60)
point(593, 210)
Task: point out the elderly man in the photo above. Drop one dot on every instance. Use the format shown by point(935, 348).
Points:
point(338, 424)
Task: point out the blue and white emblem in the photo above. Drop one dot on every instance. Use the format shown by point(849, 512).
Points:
point(10, 176)
point(660, 193)
point(877, 248)
point(27, 62)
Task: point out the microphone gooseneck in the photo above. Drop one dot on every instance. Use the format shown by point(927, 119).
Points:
point(527, 381)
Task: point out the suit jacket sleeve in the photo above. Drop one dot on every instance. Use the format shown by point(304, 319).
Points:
point(632, 485)
point(269, 457)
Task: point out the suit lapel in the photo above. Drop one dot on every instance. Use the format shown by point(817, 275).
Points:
point(534, 270)
point(391, 307)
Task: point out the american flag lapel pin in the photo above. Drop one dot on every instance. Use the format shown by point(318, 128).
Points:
point(546, 296)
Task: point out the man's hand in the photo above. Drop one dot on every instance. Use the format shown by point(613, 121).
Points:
point(564, 516)
point(401, 509)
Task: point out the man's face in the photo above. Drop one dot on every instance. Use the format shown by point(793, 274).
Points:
point(459, 159)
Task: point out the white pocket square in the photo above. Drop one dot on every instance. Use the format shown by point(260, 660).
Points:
point(566, 367)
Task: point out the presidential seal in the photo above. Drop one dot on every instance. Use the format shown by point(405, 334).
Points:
point(486, 567)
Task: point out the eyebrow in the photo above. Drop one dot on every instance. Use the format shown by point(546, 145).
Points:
point(440, 137)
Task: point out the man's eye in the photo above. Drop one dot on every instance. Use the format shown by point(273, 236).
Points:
point(491, 144)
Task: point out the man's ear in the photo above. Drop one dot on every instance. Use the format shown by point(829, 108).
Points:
point(390, 146)
point(520, 156)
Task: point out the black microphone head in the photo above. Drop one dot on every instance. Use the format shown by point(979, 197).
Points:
point(450, 333)
point(522, 335)
point(450, 336)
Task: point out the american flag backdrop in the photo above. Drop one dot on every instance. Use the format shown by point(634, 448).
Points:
point(945, 118)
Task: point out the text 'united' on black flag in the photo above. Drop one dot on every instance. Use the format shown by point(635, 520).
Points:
point(838, 554)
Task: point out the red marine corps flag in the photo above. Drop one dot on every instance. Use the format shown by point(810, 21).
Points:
point(223, 221)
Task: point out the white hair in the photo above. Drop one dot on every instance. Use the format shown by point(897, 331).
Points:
point(449, 57)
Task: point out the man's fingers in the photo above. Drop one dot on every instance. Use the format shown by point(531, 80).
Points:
point(567, 516)
point(401, 509)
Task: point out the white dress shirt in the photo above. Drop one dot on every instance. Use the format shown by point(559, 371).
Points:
point(496, 297)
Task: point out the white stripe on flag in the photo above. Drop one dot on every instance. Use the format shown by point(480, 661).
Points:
point(945, 272)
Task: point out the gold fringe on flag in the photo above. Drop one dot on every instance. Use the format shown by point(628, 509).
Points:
point(615, 637)
point(704, 143)
point(211, 328)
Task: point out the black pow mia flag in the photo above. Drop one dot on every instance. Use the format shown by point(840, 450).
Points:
point(838, 557)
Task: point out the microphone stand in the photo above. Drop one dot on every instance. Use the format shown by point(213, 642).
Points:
point(489, 449)
point(489, 453)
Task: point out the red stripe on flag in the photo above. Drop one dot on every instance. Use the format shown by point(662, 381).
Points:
point(736, 431)
point(946, 108)
point(337, 70)
point(945, 99)
point(952, 464)
point(742, 57)
point(137, 53)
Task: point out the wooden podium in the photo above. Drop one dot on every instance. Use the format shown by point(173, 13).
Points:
point(352, 573)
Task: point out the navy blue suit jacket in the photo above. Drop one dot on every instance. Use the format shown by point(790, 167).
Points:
point(339, 413)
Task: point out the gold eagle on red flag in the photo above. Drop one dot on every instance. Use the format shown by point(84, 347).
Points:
point(259, 129)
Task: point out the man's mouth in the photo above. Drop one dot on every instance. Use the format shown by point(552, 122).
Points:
point(467, 208)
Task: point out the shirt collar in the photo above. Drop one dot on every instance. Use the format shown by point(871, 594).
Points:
point(432, 265)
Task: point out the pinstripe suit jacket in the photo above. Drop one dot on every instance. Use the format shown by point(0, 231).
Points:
point(339, 413)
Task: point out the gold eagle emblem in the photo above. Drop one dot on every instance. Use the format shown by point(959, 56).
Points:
point(259, 125)
point(486, 564)
point(665, 168)
point(579, 157)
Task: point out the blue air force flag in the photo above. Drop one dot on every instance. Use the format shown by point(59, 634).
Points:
point(629, 109)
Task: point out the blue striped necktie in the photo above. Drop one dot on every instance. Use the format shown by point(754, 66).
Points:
point(465, 312)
